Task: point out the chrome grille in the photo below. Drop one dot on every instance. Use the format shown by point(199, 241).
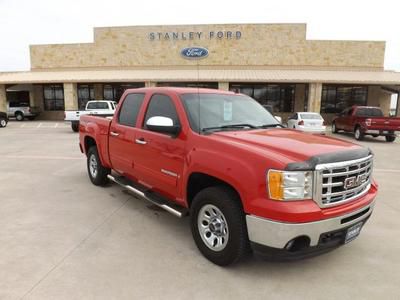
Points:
point(341, 182)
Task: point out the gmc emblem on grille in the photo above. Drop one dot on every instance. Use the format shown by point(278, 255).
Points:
point(354, 181)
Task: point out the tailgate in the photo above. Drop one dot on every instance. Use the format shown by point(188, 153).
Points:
point(385, 123)
point(74, 115)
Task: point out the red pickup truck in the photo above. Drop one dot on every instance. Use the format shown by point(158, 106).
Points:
point(366, 120)
point(246, 182)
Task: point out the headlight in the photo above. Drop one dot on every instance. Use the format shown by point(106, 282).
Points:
point(290, 185)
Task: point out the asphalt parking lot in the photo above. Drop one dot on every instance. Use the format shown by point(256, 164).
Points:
point(63, 238)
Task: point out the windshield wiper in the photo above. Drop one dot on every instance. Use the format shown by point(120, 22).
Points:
point(244, 125)
point(271, 125)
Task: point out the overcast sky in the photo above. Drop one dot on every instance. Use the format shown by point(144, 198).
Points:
point(27, 22)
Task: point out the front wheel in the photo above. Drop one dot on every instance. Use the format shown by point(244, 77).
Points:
point(334, 128)
point(390, 138)
point(358, 134)
point(97, 172)
point(218, 225)
point(3, 122)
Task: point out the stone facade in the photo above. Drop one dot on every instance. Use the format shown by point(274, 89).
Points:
point(231, 46)
point(3, 98)
point(266, 45)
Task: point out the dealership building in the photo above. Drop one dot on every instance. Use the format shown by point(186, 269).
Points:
point(273, 63)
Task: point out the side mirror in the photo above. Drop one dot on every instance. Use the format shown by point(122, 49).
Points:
point(163, 125)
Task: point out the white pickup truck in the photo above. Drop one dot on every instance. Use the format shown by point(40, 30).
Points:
point(95, 107)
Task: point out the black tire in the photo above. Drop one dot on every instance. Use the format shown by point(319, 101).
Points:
point(334, 128)
point(228, 203)
point(390, 138)
point(3, 122)
point(19, 116)
point(358, 134)
point(75, 126)
point(96, 171)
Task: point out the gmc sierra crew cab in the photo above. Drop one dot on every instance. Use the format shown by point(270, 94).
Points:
point(366, 120)
point(246, 182)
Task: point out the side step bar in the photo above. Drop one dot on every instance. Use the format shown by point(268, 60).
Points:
point(149, 196)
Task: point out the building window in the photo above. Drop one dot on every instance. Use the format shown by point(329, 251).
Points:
point(335, 98)
point(207, 85)
point(114, 91)
point(279, 96)
point(85, 94)
point(53, 95)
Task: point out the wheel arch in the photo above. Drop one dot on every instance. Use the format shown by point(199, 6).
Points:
point(89, 142)
point(198, 181)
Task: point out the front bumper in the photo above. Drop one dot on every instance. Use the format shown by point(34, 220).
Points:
point(269, 233)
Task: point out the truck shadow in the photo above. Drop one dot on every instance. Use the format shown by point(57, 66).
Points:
point(370, 139)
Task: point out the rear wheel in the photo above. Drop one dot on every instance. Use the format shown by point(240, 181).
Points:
point(97, 172)
point(358, 134)
point(218, 225)
point(3, 122)
point(75, 126)
point(390, 138)
point(19, 116)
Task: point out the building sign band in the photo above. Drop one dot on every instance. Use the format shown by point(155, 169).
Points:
point(192, 35)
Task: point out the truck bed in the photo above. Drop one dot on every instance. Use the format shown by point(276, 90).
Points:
point(99, 127)
point(384, 123)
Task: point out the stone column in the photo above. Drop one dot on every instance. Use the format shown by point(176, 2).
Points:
point(223, 86)
point(299, 99)
point(314, 97)
point(71, 96)
point(3, 98)
point(398, 105)
point(98, 91)
point(150, 84)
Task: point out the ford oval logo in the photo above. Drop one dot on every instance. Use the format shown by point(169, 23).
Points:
point(194, 52)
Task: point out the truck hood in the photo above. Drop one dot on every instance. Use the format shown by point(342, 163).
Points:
point(295, 146)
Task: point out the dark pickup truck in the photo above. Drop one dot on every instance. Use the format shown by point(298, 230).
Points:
point(366, 120)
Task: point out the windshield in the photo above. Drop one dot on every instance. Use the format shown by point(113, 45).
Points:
point(310, 117)
point(224, 112)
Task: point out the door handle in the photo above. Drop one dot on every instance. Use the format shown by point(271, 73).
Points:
point(113, 133)
point(140, 141)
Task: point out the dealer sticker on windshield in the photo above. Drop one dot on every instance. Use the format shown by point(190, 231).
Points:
point(228, 111)
point(353, 232)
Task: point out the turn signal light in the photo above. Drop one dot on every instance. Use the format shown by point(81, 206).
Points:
point(275, 184)
point(301, 122)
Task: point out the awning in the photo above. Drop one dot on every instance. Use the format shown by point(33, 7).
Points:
point(204, 74)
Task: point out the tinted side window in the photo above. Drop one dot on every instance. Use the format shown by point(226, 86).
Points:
point(161, 105)
point(130, 109)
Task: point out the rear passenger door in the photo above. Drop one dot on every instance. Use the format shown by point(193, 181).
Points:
point(159, 156)
point(122, 135)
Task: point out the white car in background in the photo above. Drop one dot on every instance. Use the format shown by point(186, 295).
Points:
point(308, 122)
